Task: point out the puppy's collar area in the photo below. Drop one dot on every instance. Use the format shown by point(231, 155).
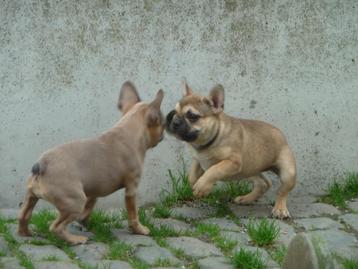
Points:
point(201, 147)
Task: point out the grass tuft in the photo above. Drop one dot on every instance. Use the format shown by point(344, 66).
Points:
point(101, 223)
point(246, 259)
point(263, 232)
point(220, 196)
point(341, 190)
point(119, 250)
point(351, 263)
point(162, 263)
point(279, 254)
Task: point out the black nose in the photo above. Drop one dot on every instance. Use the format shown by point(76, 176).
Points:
point(176, 122)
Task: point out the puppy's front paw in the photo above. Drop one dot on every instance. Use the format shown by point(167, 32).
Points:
point(281, 213)
point(140, 229)
point(202, 188)
point(77, 239)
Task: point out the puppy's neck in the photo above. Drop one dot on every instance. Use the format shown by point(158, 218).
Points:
point(211, 139)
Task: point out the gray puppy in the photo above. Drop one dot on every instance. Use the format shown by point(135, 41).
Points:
point(72, 176)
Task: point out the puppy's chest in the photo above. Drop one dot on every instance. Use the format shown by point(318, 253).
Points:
point(211, 157)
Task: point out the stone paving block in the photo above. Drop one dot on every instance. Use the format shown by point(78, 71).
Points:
point(191, 212)
point(242, 238)
point(9, 214)
point(311, 224)
point(340, 242)
point(133, 239)
point(151, 255)
point(38, 253)
point(109, 264)
point(312, 210)
point(4, 248)
point(248, 211)
point(193, 247)
point(10, 263)
point(353, 205)
point(12, 227)
point(55, 265)
point(176, 225)
point(215, 263)
point(92, 251)
point(224, 224)
point(266, 258)
point(351, 220)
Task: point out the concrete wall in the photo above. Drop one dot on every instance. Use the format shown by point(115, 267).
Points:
point(291, 63)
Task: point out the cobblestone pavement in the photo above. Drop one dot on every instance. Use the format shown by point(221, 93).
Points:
point(337, 229)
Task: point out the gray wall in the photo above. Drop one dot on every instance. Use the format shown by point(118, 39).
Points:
point(291, 63)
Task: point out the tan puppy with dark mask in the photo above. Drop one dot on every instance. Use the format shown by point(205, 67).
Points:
point(73, 175)
point(227, 148)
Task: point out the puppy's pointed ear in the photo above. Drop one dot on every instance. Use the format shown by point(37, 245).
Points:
point(154, 114)
point(128, 97)
point(185, 88)
point(217, 97)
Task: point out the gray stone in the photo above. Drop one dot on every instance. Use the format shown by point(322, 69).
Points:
point(182, 267)
point(312, 210)
point(351, 220)
point(12, 227)
point(176, 225)
point(38, 253)
point(191, 212)
point(93, 251)
point(287, 232)
point(10, 263)
point(311, 224)
point(9, 214)
point(215, 263)
point(109, 264)
point(133, 239)
point(55, 265)
point(300, 249)
point(193, 247)
point(248, 211)
point(4, 249)
point(266, 258)
point(353, 205)
point(151, 255)
point(337, 242)
point(241, 238)
point(305, 252)
point(224, 224)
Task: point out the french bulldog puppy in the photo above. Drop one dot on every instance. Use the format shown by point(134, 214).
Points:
point(228, 148)
point(73, 175)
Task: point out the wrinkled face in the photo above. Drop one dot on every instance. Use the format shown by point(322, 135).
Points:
point(192, 120)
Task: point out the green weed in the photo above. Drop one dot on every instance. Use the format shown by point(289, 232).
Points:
point(245, 259)
point(263, 232)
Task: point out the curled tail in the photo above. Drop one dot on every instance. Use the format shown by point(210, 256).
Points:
point(38, 168)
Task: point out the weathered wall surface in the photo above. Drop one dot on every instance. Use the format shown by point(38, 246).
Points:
point(291, 63)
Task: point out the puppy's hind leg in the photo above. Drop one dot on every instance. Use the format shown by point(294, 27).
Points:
point(70, 210)
point(287, 172)
point(26, 212)
point(261, 185)
point(83, 219)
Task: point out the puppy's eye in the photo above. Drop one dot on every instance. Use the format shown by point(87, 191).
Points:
point(192, 117)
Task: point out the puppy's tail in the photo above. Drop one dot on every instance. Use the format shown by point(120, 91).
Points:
point(38, 168)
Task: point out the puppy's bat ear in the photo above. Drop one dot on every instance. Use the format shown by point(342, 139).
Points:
point(128, 97)
point(185, 88)
point(217, 97)
point(154, 114)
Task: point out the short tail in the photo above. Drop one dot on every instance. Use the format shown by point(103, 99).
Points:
point(38, 168)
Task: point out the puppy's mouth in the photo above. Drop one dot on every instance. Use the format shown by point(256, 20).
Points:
point(178, 127)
